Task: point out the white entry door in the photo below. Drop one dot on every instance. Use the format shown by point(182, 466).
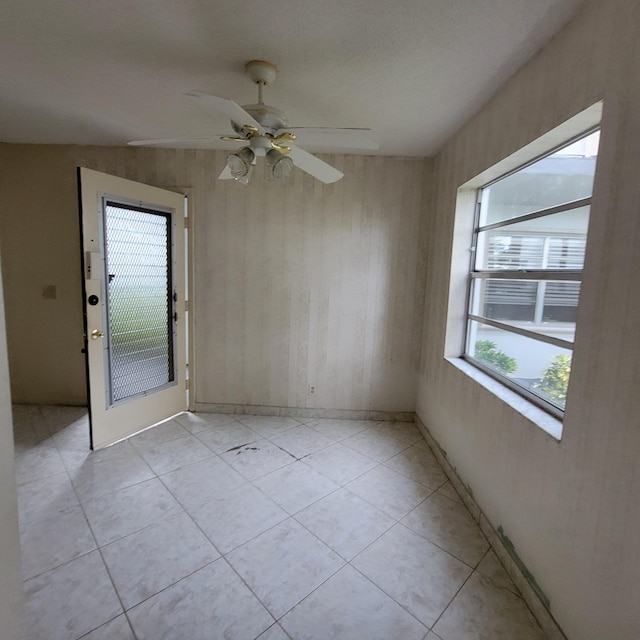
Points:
point(134, 292)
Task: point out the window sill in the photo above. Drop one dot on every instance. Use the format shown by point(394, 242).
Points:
point(524, 407)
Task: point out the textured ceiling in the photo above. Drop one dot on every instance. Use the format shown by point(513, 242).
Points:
point(88, 72)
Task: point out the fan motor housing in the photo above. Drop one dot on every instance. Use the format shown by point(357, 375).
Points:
point(269, 118)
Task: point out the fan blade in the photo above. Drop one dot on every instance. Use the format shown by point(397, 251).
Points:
point(229, 108)
point(317, 168)
point(186, 141)
point(226, 173)
point(327, 137)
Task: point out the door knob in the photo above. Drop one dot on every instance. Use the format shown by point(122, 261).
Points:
point(96, 333)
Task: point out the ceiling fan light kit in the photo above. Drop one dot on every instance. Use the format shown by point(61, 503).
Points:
point(278, 165)
point(241, 164)
point(266, 131)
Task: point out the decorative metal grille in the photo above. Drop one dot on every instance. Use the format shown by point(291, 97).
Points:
point(139, 283)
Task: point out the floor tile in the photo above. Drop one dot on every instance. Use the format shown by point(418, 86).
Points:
point(273, 633)
point(483, 610)
point(38, 462)
point(98, 477)
point(70, 600)
point(236, 516)
point(45, 497)
point(301, 441)
point(176, 454)
point(283, 565)
point(213, 598)
point(415, 573)
point(76, 436)
point(377, 446)
point(295, 486)
point(449, 525)
point(447, 490)
point(344, 522)
point(163, 432)
point(25, 438)
point(257, 459)
point(143, 563)
point(490, 567)
point(422, 444)
point(419, 465)
point(116, 629)
point(54, 540)
point(75, 454)
point(268, 426)
point(406, 432)
point(228, 436)
point(202, 481)
point(303, 419)
point(197, 422)
point(350, 607)
point(340, 463)
point(60, 418)
point(25, 414)
point(122, 512)
point(391, 492)
point(29, 427)
point(340, 429)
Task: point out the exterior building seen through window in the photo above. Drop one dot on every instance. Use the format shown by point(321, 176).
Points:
point(529, 247)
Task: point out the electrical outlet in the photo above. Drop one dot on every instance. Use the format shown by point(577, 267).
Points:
point(312, 389)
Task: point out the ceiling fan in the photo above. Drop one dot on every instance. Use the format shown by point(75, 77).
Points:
point(265, 130)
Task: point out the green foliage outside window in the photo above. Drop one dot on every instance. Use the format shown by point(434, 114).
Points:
point(487, 352)
point(555, 379)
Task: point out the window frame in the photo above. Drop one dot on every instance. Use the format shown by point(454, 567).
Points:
point(539, 275)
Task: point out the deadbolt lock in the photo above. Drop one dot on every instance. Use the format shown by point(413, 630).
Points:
point(96, 333)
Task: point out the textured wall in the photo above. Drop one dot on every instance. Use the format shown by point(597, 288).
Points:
point(571, 508)
point(295, 283)
point(40, 236)
point(11, 612)
point(306, 284)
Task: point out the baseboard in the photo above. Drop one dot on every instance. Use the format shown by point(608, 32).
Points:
point(302, 412)
point(523, 581)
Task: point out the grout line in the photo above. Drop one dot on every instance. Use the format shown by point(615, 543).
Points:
point(255, 595)
point(224, 554)
point(62, 564)
point(133, 631)
point(402, 606)
point(455, 595)
point(188, 575)
point(84, 635)
point(104, 563)
point(291, 515)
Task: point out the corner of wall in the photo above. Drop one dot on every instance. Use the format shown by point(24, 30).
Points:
point(500, 543)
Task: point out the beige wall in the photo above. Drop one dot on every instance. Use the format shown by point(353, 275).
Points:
point(40, 240)
point(11, 612)
point(571, 508)
point(296, 283)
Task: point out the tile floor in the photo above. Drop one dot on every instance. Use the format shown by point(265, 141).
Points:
point(213, 526)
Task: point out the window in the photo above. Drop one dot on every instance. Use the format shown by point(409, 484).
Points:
point(528, 253)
